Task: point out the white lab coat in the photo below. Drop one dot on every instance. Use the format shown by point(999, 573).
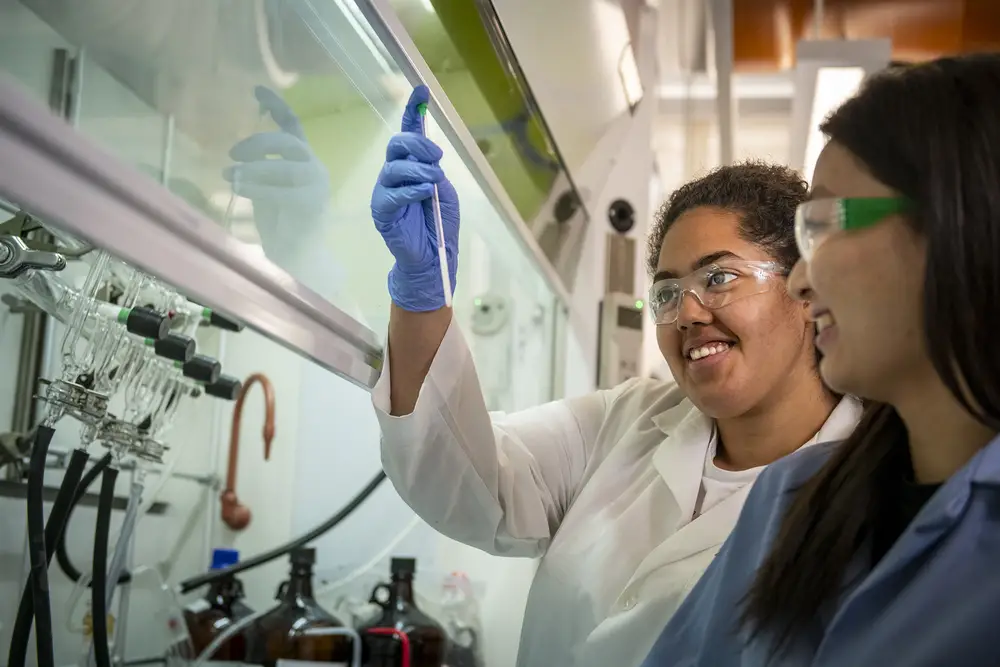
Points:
point(602, 487)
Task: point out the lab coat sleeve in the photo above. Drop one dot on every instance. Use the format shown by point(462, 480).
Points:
point(500, 483)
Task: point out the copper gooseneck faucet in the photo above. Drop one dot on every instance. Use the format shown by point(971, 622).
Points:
point(234, 514)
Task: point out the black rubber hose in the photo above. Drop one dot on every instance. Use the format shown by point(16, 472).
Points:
point(54, 526)
point(98, 591)
point(191, 584)
point(38, 579)
point(61, 552)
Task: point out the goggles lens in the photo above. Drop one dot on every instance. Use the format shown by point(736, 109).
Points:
point(715, 286)
point(818, 219)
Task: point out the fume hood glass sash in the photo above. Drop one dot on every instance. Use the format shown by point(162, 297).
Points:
point(139, 169)
point(103, 201)
point(393, 34)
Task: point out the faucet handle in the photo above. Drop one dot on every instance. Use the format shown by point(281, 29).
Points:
point(16, 258)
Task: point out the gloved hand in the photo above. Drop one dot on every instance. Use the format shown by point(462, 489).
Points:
point(402, 209)
point(290, 186)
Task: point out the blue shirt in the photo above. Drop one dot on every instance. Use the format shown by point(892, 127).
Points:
point(933, 600)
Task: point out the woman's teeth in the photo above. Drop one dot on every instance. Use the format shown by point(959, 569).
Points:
point(823, 321)
point(708, 350)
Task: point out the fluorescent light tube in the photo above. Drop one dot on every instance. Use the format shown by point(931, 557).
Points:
point(834, 86)
point(629, 72)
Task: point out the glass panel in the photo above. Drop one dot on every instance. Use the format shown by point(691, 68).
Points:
point(456, 45)
point(470, 57)
point(171, 88)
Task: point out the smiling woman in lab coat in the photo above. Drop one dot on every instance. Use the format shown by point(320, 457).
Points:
point(625, 494)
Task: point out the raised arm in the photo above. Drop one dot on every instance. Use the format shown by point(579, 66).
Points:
point(498, 483)
point(501, 483)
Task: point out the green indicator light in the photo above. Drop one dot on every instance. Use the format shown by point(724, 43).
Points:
point(638, 304)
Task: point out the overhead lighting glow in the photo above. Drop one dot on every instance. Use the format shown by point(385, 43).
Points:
point(427, 5)
point(834, 86)
point(629, 72)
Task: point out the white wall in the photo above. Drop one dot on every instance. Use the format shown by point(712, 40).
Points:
point(619, 167)
point(574, 78)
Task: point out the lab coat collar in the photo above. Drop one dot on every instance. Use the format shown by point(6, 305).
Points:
point(837, 427)
point(680, 460)
point(841, 422)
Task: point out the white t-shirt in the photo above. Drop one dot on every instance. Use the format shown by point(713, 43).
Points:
point(718, 484)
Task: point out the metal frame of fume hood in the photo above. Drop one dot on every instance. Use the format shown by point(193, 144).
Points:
point(67, 180)
point(391, 31)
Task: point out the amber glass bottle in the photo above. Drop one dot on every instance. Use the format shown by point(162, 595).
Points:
point(284, 633)
point(427, 639)
point(221, 607)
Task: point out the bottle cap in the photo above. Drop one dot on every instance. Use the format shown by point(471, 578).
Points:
point(147, 323)
point(221, 321)
point(175, 347)
point(223, 558)
point(303, 556)
point(226, 387)
point(203, 369)
point(403, 566)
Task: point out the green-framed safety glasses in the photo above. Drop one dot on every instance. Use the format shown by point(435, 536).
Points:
point(817, 219)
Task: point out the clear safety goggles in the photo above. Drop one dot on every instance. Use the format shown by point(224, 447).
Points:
point(816, 220)
point(715, 286)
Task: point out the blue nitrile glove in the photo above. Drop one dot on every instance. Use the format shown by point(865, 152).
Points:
point(402, 209)
point(277, 170)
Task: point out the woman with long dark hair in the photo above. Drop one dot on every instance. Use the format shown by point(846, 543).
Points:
point(883, 549)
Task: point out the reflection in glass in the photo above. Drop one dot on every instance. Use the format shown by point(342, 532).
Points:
point(271, 117)
point(464, 45)
point(453, 40)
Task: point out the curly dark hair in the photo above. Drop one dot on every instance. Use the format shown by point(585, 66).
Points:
point(764, 195)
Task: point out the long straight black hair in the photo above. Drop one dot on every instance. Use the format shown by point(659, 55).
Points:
point(932, 133)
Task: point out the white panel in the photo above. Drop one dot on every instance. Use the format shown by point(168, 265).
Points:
point(574, 78)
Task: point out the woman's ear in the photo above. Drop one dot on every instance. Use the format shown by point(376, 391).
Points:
point(804, 307)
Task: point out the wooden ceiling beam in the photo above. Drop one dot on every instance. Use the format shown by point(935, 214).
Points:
point(766, 30)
